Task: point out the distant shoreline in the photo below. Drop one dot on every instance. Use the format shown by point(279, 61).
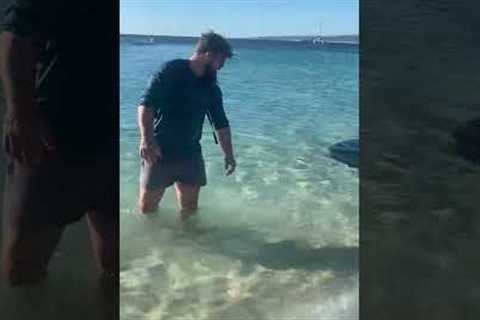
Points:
point(341, 39)
point(351, 38)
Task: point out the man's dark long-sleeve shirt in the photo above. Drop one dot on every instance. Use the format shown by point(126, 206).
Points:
point(180, 101)
point(76, 82)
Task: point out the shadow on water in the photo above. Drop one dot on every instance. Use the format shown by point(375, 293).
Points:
point(290, 254)
point(252, 248)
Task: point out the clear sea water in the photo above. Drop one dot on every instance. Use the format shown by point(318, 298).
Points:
point(276, 240)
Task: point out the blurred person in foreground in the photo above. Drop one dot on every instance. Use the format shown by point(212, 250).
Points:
point(57, 66)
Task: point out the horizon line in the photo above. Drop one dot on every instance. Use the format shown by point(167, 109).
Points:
point(244, 37)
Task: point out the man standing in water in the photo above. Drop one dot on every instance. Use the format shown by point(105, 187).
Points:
point(171, 115)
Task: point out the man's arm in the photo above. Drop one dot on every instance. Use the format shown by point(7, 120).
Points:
point(24, 138)
point(225, 140)
point(145, 123)
point(156, 98)
point(25, 24)
point(149, 150)
point(18, 56)
point(222, 128)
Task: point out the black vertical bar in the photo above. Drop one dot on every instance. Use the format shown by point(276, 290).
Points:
point(419, 227)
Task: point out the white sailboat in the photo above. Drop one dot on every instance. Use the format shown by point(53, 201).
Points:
point(318, 39)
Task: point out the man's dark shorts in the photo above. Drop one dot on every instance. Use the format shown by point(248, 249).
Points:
point(58, 192)
point(170, 169)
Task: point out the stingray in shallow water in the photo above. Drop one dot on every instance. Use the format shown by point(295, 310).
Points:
point(346, 151)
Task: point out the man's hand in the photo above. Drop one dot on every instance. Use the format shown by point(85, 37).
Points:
point(150, 151)
point(230, 165)
point(27, 139)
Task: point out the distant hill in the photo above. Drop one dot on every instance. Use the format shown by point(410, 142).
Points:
point(342, 43)
point(339, 38)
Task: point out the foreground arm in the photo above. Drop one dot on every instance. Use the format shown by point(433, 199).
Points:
point(25, 136)
point(17, 71)
point(26, 25)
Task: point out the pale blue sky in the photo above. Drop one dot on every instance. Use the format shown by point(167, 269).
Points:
point(239, 18)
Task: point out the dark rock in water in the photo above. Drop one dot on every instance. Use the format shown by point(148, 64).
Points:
point(346, 151)
point(467, 139)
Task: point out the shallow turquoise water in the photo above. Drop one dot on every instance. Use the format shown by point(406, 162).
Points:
point(259, 249)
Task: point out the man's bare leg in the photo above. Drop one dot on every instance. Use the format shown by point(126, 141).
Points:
point(104, 237)
point(26, 253)
point(105, 243)
point(187, 199)
point(149, 200)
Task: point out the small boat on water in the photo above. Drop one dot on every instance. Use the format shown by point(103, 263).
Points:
point(318, 40)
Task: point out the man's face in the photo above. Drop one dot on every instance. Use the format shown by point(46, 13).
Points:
point(215, 61)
